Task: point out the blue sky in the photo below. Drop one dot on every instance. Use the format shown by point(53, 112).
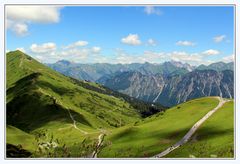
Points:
point(196, 35)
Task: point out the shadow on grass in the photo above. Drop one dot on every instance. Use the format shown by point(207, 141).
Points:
point(29, 109)
point(211, 132)
point(24, 84)
point(33, 110)
point(135, 143)
point(59, 90)
point(17, 152)
point(162, 141)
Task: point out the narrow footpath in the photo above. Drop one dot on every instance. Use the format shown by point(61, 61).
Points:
point(74, 123)
point(98, 146)
point(192, 130)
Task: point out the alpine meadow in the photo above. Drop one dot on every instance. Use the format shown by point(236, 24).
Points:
point(119, 82)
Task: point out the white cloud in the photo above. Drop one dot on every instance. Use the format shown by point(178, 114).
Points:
point(183, 56)
point(211, 52)
point(131, 39)
point(154, 56)
point(96, 50)
point(44, 48)
point(185, 43)
point(31, 13)
point(148, 56)
point(79, 43)
point(76, 53)
point(228, 59)
point(219, 38)
point(190, 58)
point(48, 57)
point(159, 57)
point(151, 42)
point(21, 29)
point(48, 52)
point(21, 49)
point(128, 59)
point(101, 59)
point(79, 55)
point(39, 57)
point(20, 16)
point(152, 10)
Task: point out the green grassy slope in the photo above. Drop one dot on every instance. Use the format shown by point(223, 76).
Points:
point(213, 139)
point(18, 137)
point(154, 134)
point(34, 82)
point(39, 98)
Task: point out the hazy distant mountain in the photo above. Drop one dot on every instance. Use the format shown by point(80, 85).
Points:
point(99, 71)
point(91, 72)
point(219, 66)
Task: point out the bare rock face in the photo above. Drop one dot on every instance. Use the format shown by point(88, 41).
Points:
point(173, 90)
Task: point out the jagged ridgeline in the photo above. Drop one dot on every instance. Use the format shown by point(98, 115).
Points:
point(39, 98)
point(168, 83)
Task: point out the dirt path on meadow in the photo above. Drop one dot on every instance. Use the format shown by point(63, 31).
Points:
point(192, 130)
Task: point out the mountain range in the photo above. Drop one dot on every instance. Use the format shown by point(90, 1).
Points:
point(50, 115)
point(169, 83)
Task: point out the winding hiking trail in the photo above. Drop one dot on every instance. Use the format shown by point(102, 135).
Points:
point(100, 141)
point(74, 123)
point(60, 103)
point(102, 131)
point(100, 137)
point(192, 130)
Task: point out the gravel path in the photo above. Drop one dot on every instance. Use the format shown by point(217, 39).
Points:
point(192, 130)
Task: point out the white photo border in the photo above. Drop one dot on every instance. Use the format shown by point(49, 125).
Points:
point(233, 3)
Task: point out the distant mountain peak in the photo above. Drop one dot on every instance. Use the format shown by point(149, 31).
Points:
point(64, 62)
point(218, 66)
point(181, 65)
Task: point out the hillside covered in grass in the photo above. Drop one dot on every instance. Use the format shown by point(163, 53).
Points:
point(214, 139)
point(40, 99)
point(52, 115)
point(154, 134)
point(37, 95)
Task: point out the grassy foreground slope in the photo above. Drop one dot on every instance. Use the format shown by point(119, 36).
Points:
point(40, 99)
point(156, 133)
point(16, 136)
point(214, 139)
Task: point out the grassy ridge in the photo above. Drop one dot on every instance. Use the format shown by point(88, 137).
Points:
point(213, 139)
point(40, 99)
point(35, 90)
point(156, 133)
